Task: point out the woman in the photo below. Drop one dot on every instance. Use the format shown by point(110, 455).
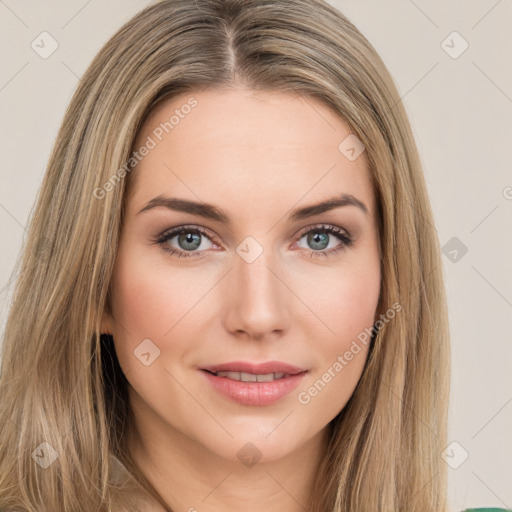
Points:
point(231, 292)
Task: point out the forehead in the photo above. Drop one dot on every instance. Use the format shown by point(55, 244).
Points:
point(246, 144)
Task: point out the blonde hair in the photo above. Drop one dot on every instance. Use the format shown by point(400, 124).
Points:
point(60, 380)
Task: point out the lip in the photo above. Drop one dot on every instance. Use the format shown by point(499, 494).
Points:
point(256, 369)
point(255, 393)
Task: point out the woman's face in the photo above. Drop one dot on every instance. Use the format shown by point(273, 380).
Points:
point(255, 285)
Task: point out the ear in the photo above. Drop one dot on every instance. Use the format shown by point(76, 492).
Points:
point(106, 323)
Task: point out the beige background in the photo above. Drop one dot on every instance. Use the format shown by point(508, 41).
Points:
point(461, 112)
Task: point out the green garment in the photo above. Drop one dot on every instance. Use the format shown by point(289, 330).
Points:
point(486, 510)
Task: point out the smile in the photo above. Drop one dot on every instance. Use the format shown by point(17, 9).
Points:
point(253, 389)
point(250, 377)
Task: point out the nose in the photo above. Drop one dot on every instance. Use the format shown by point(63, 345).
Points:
point(256, 299)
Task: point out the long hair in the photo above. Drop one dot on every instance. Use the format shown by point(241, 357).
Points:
point(61, 383)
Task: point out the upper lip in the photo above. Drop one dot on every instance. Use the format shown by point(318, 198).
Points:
point(256, 369)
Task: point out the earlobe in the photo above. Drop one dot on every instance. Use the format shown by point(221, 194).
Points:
point(106, 323)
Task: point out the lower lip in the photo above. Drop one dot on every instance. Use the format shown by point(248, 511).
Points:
point(254, 393)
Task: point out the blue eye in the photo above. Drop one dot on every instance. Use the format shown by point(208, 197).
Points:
point(319, 236)
point(190, 240)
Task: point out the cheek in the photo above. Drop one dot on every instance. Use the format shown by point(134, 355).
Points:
point(340, 354)
point(152, 301)
point(146, 305)
point(347, 313)
point(344, 301)
point(138, 300)
point(352, 305)
point(149, 299)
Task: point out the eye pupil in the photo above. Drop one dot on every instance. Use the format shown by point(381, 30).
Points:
point(189, 238)
point(321, 238)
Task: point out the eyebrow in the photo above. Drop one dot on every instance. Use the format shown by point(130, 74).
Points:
point(212, 212)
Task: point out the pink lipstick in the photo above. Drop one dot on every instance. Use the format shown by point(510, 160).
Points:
point(254, 384)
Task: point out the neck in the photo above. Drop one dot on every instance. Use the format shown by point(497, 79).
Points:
point(190, 477)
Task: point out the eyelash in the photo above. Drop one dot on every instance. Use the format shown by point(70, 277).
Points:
point(342, 235)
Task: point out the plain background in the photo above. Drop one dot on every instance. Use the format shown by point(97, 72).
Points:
point(460, 108)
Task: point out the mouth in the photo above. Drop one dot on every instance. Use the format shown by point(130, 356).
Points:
point(254, 384)
point(251, 377)
point(254, 372)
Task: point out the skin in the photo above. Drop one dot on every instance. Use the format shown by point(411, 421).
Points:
point(257, 156)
